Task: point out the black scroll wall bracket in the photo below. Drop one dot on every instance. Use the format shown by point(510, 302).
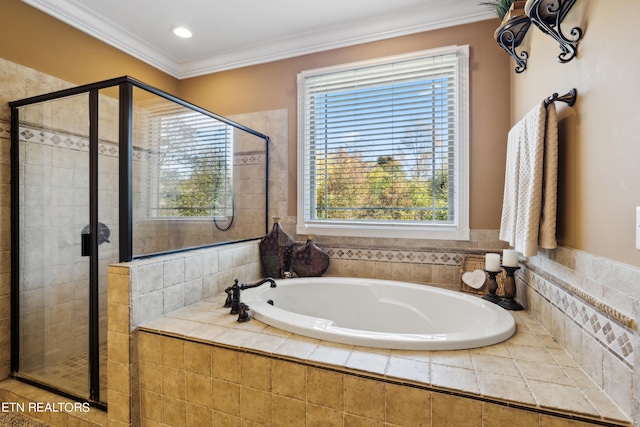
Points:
point(510, 35)
point(548, 15)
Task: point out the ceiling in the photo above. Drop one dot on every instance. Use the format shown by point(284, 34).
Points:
point(237, 33)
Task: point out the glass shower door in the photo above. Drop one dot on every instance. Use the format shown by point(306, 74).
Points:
point(54, 219)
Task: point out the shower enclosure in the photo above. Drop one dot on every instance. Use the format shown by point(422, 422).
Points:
point(105, 173)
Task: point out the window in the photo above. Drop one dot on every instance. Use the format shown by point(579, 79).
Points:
point(192, 171)
point(384, 147)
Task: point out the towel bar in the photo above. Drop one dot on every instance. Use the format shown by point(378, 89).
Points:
point(569, 98)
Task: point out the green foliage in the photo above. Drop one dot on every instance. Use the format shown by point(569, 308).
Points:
point(198, 195)
point(201, 190)
point(499, 7)
point(348, 187)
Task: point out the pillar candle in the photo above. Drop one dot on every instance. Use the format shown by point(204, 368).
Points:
point(492, 262)
point(510, 258)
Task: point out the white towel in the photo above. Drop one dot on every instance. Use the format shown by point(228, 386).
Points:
point(531, 182)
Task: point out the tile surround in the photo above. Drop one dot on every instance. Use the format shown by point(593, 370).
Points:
point(525, 361)
point(589, 305)
point(405, 260)
point(517, 373)
point(148, 289)
point(612, 334)
point(613, 330)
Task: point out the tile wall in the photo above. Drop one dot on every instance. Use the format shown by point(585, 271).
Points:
point(591, 305)
point(273, 123)
point(16, 82)
point(184, 383)
point(418, 261)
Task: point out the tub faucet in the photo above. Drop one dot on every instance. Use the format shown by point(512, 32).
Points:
point(233, 297)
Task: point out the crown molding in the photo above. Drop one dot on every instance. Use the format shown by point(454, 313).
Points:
point(447, 14)
point(299, 46)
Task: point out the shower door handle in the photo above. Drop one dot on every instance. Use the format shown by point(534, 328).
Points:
point(86, 244)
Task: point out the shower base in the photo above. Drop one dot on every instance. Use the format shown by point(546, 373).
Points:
point(72, 375)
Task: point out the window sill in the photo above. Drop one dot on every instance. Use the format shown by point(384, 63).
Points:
point(397, 231)
point(187, 219)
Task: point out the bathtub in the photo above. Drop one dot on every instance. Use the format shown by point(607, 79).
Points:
point(380, 313)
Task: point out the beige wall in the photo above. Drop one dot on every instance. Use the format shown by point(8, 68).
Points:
point(600, 153)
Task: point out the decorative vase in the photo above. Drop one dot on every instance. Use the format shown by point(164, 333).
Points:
point(309, 260)
point(275, 251)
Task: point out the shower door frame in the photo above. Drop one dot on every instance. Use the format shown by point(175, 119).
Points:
point(125, 86)
point(93, 344)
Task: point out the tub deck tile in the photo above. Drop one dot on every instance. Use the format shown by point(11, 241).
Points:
point(265, 343)
point(556, 396)
point(368, 361)
point(297, 347)
point(531, 354)
point(454, 379)
point(496, 350)
point(237, 337)
point(407, 369)
point(495, 365)
point(206, 332)
point(173, 326)
point(505, 388)
point(457, 358)
point(332, 354)
point(542, 371)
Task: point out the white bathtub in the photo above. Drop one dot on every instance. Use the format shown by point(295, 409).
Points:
point(380, 313)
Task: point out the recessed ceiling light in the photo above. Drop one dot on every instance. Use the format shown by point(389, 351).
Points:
point(181, 32)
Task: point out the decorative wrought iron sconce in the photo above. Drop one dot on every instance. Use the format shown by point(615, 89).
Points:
point(509, 36)
point(548, 15)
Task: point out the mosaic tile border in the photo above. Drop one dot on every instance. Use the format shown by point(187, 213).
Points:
point(432, 256)
point(5, 128)
point(248, 158)
point(609, 328)
point(64, 139)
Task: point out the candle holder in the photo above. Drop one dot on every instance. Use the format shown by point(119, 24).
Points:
point(509, 301)
point(492, 287)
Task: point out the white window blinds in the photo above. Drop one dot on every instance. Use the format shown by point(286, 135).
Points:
point(193, 158)
point(381, 141)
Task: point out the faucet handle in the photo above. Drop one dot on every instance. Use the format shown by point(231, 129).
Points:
point(229, 301)
point(243, 316)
